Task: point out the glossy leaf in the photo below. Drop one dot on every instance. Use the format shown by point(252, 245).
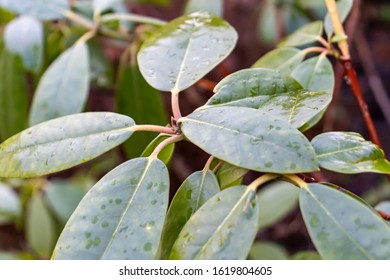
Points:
point(229, 175)
point(267, 251)
point(165, 155)
point(13, 95)
point(277, 200)
point(215, 7)
point(316, 74)
point(102, 5)
point(348, 152)
point(342, 227)
point(40, 230)
point(10, 207)
point(63, 89)
point(304, 35)
point(180, 53)
point(343, 8)
point(62, 143)
point(283, 60)
point(63, 198)
point(250, 139)
point(192, 194)
point(223, 228)
point(121, 217)
point(141, 102)
point(41, 9)
point(24, 36)
point(306, 255)
point(268, 90)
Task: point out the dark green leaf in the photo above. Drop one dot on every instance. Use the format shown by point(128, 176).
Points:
point(101, 70)
point(268, 90)
point(229, 175)
point(342, 227)
point(283, 60)
point(41, 9)
point(348, 152)
point(306, 255)
point(24, 36)
point(63, 89)
point(276, 200)
point(343, 8)
point(193, 193)
point(13, 95)
point(304, 35)
point(215, 7)
point(121, 217)
point(184, 50)
point(267, 251)
point(143, 103)
point(40, 230)
point(250, 139)
point(223, 228)
point(62, 143)
point(165, 155)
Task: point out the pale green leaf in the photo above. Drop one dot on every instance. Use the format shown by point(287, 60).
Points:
point(121, 217)
point(267, 251)
point(180, 53)
point(62, 143)
point(383, 206)
point(102, 5)
point(304, 35)
point(283, 60)
point(13, 95)
point(342, 227)
point(215, 7)
point(41, 9)
point(266, 30)
point(223, 228)
point(249, 138)
point(10, 206)
point(343, 8)
point(277, 200)
point(192, 194)
point(24, 36)
point(272, 92)
point(63, 89)
point(348, 152)
point(40, 229)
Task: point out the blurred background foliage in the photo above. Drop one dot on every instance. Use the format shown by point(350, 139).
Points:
point(34, 211)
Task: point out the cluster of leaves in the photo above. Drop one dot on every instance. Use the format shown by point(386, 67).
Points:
point(254, 121)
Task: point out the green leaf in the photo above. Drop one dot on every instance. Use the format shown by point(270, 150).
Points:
point(180, 53)
point(214, 7)
point(143, 103)
point(63, 89)
point(343, 8)
point(283, 60)
point(342, 227)
point(24, 36)
point(229, 175)
point(193, 193)
point(100, 67)
point(306, 255)
point(316, 74)
point(250, 139)
point(304, 35)
point(277, 200)
point(40, 230)
point(63, 198)
point(223, 228)
point(41, 9)
point(121, 217)
point(165, 155)
point(62, 143)
point(102, 5)
point(267, 33)
point(10, 207)
point(13, 95)
point(267, 251)
point(348, 152)
point(268, 90)
point(383, 206)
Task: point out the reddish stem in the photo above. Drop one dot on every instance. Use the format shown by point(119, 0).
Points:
point(384, 215)
point(353, 82)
